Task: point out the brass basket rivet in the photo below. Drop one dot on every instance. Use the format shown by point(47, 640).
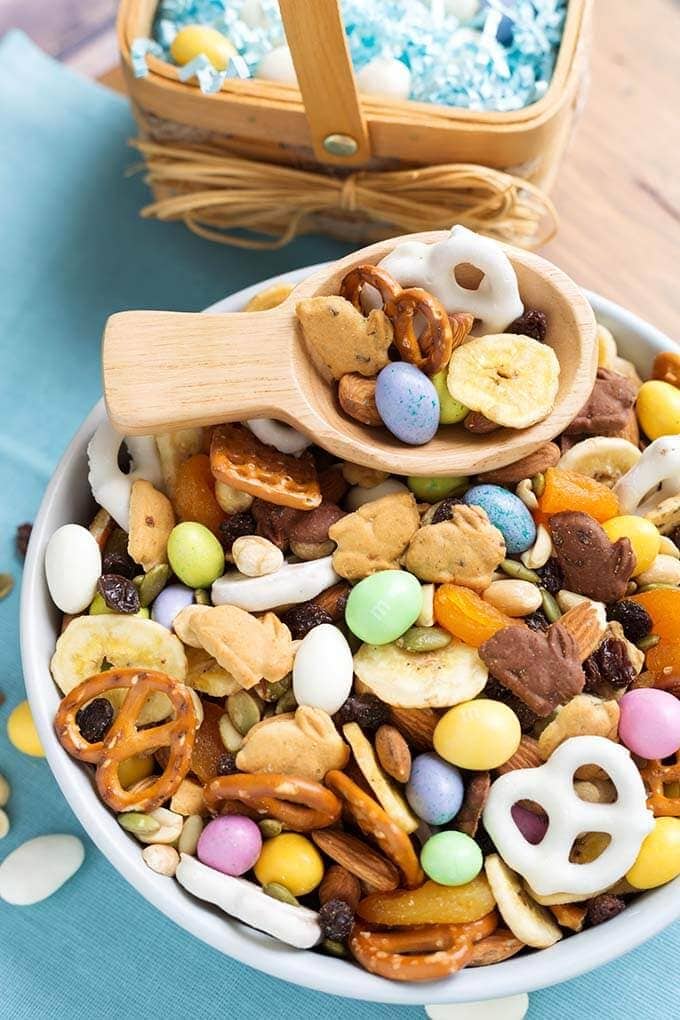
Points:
point(340, 145)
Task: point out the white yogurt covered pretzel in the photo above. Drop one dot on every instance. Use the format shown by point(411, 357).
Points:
point(546, 865)
point(110, 486)
point(292, 583)
point(282, 437)
point(496, 302)
point(655, 477)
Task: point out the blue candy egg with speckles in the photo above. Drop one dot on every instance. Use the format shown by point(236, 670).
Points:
point(407, 402)
point(435, 789)
point(507, 512)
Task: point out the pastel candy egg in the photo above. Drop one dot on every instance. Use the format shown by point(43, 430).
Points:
point(431, 490)
point(385, 76)
point(322, 671)
point(381, 607)
point(451, 411)
point(658, 408)
point(195, 555)
point(451, 858)
point(643, 536)
point(407, 402)
point(170, 602)
point(507, 512)
point(277, 65)
point(477, 735)
point(435, 789)
point(230, 844)
point(649, 722)
point(290, 860)
point(73, 563)
point(658, 861)
point(196, 39)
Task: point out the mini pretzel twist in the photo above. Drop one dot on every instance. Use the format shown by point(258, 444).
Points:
point(300, 804)
point(124, 740)
point(656, 777)
point(431, 349)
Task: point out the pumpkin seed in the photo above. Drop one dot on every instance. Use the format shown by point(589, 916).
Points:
point(6, 585)
point(333, 947)
point(550, 607)
point(189, 836)
point(286, 703)
point(138, 580)
point(631, 588)
point(153, 584)
point(279, 892)
point(202, 597)
point(648, 642)
point(270, 827)
point(230, 736)
point(424, 639)
point(538, 484)
point(514, 569)
point(138, 823)
point(272, 692)
point(243, 711)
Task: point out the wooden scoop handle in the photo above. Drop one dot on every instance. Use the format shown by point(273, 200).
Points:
point(199, 369)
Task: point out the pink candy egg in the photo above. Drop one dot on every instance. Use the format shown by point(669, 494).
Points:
point(649, 724)
point(230, 844)
point(533, 827)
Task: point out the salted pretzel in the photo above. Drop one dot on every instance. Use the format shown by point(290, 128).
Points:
point(124, 740)
point(300, 804)
point(657, 777)
point(429, 350)
point(422, 953)
point(374, 821)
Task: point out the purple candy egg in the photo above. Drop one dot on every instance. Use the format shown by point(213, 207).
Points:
point(435, 789)
point(533, 827)
point(230, 844)
point(649, 723)
point(170, 602)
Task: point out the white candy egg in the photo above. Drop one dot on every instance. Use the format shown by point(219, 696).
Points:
point(73, 563)
point(358, 495)
point(35, 870)
point(277, 65)
point(385, 76)
point(323, 668)
point(462, 9)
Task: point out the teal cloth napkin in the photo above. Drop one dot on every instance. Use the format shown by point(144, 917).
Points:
point(73, 250)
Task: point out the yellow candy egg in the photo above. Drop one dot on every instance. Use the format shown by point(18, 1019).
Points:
point(133, 770)
point(659, 859)
point(290, 860)
point(658, 408)
point(22, 732)
point(196, 39)
point(644, 538)
point(477, 735)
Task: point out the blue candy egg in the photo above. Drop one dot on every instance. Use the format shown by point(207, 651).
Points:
point(407, 402)
point(435, 789)
point(507, 512)
point(170, 602)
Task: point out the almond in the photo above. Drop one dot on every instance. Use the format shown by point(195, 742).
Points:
point(393, 753)
point(332, 484)
point(416, 725)
point(587, 623)
point(495, 948)
point(334, 600)
point(461, 324)
point(477, 423)
point(358, 858)
point(340, 884)
point(527, 756)
point(534, 463)
point(476, 793)
point(569, 915)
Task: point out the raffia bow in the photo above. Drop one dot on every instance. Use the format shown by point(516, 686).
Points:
point(214, 193)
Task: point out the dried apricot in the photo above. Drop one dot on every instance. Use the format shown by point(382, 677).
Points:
point(663, 605)
point(467, 616)
point(664, 656)
point(194, 497)
point(570, 490)
point(430, 904)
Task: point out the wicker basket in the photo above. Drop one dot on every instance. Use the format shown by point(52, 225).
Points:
point(284, 160)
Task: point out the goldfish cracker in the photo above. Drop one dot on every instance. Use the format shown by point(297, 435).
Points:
point(570, 490)
point(658, 861)
point(467, 616)
point(22, 732)
point(658, 408)
point(642, 534)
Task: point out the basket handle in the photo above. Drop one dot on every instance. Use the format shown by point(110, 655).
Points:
point(318, 45)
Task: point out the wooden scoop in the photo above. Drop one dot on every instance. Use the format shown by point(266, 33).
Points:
point(168, 370)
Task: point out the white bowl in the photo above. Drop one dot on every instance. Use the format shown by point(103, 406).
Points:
point(67, 499)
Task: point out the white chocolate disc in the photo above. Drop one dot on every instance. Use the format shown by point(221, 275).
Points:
point(655, 477)
point(546, 865)
point(110, 486)
point(496, 302)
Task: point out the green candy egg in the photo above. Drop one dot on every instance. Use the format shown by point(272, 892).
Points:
point(195, 555)
point(450, 411)
point(431, 490)
point(451, 858)
point(381, 607)
point(98, 607)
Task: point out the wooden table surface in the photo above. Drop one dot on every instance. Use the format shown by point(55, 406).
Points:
point(618, 193)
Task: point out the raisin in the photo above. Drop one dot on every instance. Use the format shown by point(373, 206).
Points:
point(335, 920)
point(552, 578)
point(365, 709)
point(226, 765)
point(531, 323)
point(236, 526)
point(485, 842)
point(497, 692)
point(443, 511)
point(634, 618)
point(119, 593)
point(22, 536)
point(119, 563)
point(94, 720)
point(608, 664)
point(275, 522)
point(537, 620)
point(603, 908)
point(303, 618)
point(124, 458)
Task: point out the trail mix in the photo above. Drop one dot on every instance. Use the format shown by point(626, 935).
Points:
point(398, 341)
point(423, 723)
